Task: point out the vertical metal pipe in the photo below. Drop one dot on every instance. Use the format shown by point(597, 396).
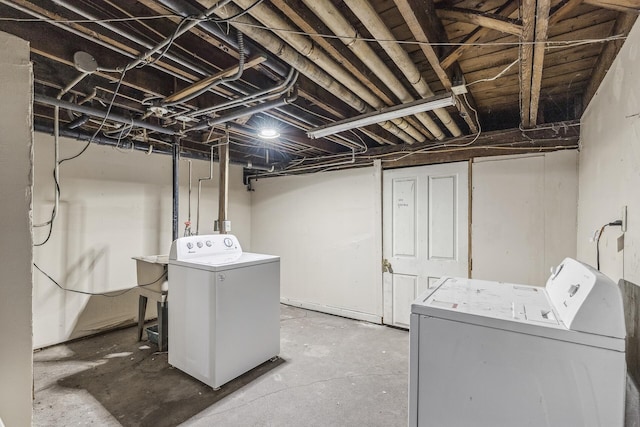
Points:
point(210, 177)
point(189, 215)
point(223, 200)
point(176, 182)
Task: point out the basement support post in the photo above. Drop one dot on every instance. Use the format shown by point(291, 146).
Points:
point(176, 185)
point(223, 199)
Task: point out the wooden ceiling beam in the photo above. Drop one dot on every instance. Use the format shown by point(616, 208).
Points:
point(208, 81)
point(528, 12)
point(556, 136)
point(419, 16)
point(478, 35)
point(562, 10)
point(308, 22)
point(541, 31)
point(627, 6)
point(482, 19)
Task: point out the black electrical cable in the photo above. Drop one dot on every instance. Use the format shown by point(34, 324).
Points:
point(109, 295)
point(55, 178)
point(104, 120)
point(614, 223)
point(53, 213)
point(170, 43)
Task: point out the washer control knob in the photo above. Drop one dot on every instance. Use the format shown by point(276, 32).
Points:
point(189, 245)
point(209, 243)
point(228, 242)
point(199, 244)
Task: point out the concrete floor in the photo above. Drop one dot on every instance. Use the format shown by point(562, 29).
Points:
point(331, 372)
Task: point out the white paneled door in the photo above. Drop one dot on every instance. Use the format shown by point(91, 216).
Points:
point(426, 233)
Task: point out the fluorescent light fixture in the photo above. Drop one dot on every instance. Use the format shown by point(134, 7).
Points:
point(408, 109)
point(268, 133)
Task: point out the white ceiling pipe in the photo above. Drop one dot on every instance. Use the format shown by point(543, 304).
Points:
point(311, 62)
point(379, 30)
point(333, 18)
point(289, 55)
point(306, 47)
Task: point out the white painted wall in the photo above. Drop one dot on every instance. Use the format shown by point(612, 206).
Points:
point(114, 205)
point(610, 166)
point(327, 229)
point(16, 145)
point(524, 215)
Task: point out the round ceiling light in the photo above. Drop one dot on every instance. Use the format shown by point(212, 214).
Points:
point(268, 133)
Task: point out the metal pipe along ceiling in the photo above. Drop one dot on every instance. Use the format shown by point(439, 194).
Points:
point(185, 9)
point(262, 95)
point(379, 30)
point(246, 111)
point(331, 16)
point(152, 48)
point(139, 41)
point(306, 65)
point(101, 114)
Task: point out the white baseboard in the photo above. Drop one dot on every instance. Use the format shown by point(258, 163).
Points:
point(351, 314)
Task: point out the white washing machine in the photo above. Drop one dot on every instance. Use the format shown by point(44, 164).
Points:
point(497, 354)
point(224, 308)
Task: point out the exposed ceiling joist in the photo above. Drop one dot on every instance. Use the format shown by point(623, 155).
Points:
point(417, 15)
point(627, 6)
point(562, 9)
point(528, 11)
point(539, 48)
point(488, 20)
point(383, 53)
point(477, 35)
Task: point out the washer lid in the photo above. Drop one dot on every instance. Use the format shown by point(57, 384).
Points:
point(586, 300)
point(518, 308)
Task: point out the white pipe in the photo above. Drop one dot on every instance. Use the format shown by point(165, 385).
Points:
point(187, 228)
point(313, 63)
point(209, 178)
point(189, 216)
point(380, 31)
point(254, 97)
point(325, 165)
point(335, 20)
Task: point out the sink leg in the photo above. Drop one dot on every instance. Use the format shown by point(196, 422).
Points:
point(142, 310)
point(162, 326)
